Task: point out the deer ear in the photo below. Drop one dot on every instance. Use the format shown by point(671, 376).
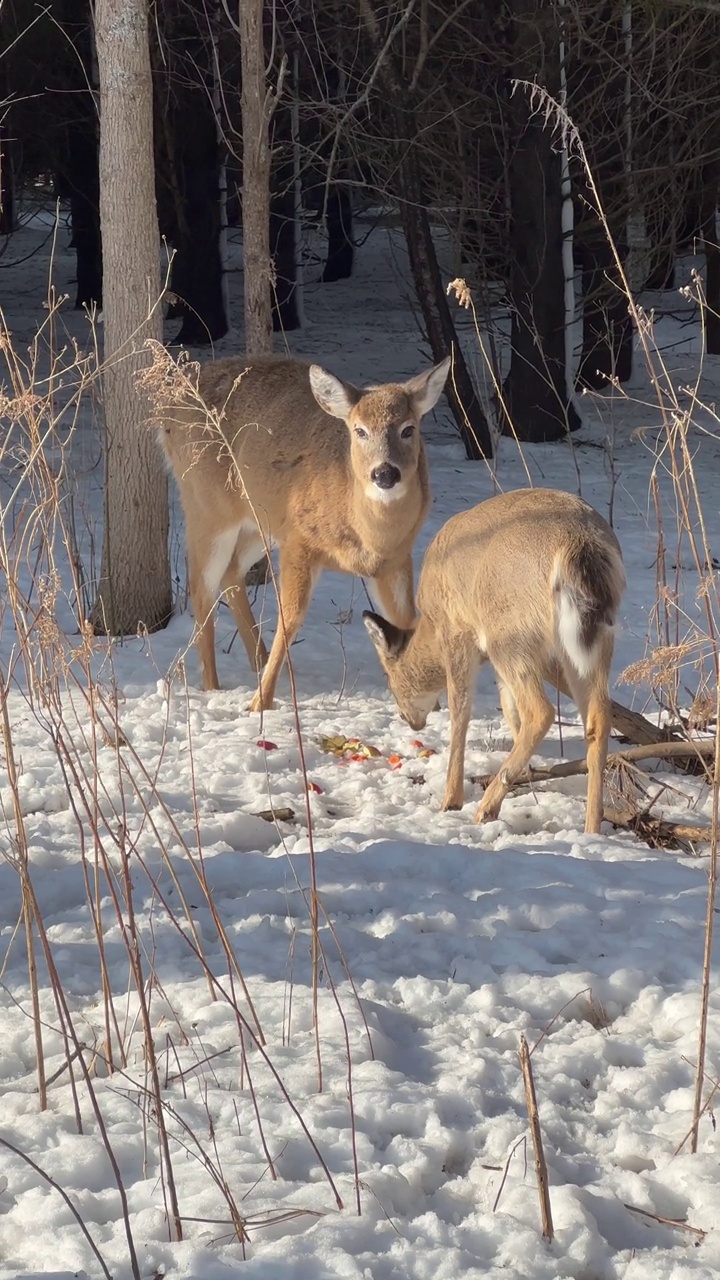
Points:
point(425, 390)
point(335, 397)
point(390, 641)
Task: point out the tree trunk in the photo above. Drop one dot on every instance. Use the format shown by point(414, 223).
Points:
point(7, 182)
point(256, 113)
point(339, 223)
point(81, 176)
point(134, 588)
point(197, 270)
point(283, 221)
point(536, 396)
point(464, 403)
point(596, 80)
point(711, 180)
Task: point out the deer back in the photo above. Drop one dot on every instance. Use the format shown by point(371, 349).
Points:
point(497, 571)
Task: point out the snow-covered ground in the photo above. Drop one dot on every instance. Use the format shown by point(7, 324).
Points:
point(443, 942)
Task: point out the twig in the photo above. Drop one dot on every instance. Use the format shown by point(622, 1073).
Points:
point(506, 1170)
point(667, 1222)
point(56, 1187)
point(706, 1107)
point(656, 830)
point(704, 748)
point(540, 1164)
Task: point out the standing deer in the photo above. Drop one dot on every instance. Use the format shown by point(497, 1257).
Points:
point(531, 581)
point(276, 451)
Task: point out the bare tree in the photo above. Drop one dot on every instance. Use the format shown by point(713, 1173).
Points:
point(403, 114)
point(79, 157)
point(134, 588)
point(257, 104)
point(536, 390)
point(189, 172)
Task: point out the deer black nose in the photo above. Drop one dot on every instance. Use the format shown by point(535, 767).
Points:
point(386, 476)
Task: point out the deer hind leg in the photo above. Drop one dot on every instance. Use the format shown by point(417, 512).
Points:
point(208, 559)
point(535, 715)
point(509, 709)
point(244, 556)
point(297, 578)
point(394, 595)
point(592, 697)
point(461, 664)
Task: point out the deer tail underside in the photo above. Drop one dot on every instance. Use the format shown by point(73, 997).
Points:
point(588, 582)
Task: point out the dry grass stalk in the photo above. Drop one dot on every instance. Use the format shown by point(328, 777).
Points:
point(708, 947)
point(27, 912)
point(538, 1150)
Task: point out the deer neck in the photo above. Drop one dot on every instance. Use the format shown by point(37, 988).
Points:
point(423, 660)
point(387, 520)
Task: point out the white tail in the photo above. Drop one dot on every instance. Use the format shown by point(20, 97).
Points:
point(270, 450)
point(531, 581)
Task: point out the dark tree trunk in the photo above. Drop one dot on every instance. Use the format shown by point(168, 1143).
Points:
point(711, 178)
point(283, 221)
point(197, 271)
point(596, 75)
point(7, 182)
point(607, 343)
point(339, 223)
point(462, 397)
point(536, 396)
point(7, 185)
point(194, 161)
point(81, 173)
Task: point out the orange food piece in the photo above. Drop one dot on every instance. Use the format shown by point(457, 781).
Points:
point(395, 761)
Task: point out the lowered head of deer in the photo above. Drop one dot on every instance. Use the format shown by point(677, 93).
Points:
point(531, 581)
point(268, 450)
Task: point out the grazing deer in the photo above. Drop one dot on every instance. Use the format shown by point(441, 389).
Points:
point(275, 451)
point(531, 581)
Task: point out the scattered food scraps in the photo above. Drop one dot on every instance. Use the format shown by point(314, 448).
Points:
point(349, 748)
point(266, 746)
point(276, 815)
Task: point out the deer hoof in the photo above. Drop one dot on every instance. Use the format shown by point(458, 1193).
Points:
point(486, 813)
point(258, 703)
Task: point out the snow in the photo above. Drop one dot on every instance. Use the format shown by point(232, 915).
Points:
point(442, 942)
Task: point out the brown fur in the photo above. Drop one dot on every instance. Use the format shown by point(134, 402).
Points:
point(282, 462)
point(531, 581)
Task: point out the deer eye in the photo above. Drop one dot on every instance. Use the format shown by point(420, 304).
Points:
point(407, 431)
point(361, 433)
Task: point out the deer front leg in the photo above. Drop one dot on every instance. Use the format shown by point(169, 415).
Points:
point(394, 595)
point(297, 577)
point(461, 661)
